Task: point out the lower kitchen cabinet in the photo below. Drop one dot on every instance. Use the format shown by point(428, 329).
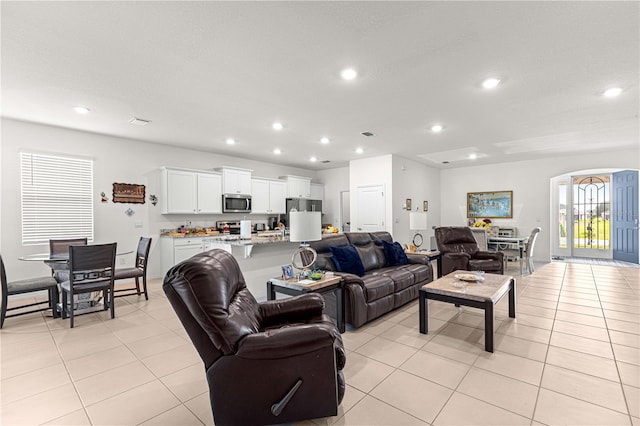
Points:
point(174, 250)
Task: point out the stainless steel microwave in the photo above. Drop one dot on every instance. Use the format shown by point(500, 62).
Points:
point(236, 203)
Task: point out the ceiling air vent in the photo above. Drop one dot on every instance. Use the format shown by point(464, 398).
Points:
point(139, 121)
point(368, 134)
point(325, 161)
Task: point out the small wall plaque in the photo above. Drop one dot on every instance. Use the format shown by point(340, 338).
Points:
point(128, 193)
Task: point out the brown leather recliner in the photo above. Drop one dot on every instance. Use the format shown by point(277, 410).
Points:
point(460, 251)
point(272, 362)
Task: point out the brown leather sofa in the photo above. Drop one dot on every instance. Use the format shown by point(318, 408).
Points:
point(381, 288)
point(460, 251)
point(272, 362)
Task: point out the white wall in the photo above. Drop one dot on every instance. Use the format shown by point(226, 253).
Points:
point(530, 183)
point(334, 180)
point(418, 182)
point(115, 160)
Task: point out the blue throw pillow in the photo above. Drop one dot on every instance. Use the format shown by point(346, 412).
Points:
point(347, 260)
point(394, 254)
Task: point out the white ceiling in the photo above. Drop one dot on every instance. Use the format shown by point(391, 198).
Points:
point(206, 71)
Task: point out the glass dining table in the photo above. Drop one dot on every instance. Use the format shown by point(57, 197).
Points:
point(84, 301)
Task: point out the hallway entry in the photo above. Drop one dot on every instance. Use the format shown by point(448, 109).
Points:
point(595, 215)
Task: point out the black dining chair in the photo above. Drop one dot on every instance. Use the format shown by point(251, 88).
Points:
point(60, 270)
point(136, 272)
point(90, 269)
point(29, 285)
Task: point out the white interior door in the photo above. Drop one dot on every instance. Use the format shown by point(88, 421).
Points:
point(371, 208)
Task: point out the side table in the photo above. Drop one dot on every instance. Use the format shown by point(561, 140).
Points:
point(293, 287)
point(432, 255)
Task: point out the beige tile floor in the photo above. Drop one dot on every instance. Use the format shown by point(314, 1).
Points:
point(570, 357)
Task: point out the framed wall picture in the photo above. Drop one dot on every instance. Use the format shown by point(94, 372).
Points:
point(407, 204)
point(128, 193)
point(493, 204)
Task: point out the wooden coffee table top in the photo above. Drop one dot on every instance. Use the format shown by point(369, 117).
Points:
point(493, 287)
point(307, 284)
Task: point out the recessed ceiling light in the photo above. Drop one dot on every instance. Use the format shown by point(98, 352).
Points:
point(313, 159)
point(473, 156)
point(612, 92)
point(491, 83)
point(324, 140)
point(230, 141)
point(81, 109)
point(437, 128)
point(277, 126)
point(277, 151)
point(348, 74)
point(359, 150)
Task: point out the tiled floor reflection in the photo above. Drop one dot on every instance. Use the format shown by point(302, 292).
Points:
point(572, 356)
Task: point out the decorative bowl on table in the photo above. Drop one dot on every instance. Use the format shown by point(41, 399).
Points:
point(316, 275)
point(469, 277)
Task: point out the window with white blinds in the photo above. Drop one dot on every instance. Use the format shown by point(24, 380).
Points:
point(57, 198)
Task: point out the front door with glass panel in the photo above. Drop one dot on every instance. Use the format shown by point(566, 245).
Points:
point(591, 216)
point(582, 216)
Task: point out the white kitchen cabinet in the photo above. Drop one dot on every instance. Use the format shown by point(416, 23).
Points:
point(298, 186)
point(190, 192)
point(236, 181)
point(268, 196)
point(176, 250)
point(317, 192)
point(209, 193)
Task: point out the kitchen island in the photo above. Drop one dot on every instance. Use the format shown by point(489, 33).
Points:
point(260, 257)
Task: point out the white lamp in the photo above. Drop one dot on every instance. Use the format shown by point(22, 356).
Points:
point(417, 222)
point(304, 227)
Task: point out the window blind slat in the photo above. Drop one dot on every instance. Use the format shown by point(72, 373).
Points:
point(57, 198)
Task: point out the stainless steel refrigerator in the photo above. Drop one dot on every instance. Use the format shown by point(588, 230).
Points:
point(303, 205)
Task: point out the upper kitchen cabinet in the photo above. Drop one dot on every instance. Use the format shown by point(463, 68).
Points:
point(268, 196)
point(190, 192)
point(298, 186)
point(235, 181)
point(317, 191)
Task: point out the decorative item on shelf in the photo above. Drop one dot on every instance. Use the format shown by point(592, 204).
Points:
point(153, 199)
point(103, 197)
point(483, 223)
point(304, 227)
point(417, 222)
point(316, 275)
point(287, 271)
point(129, 212)
point(425, 206)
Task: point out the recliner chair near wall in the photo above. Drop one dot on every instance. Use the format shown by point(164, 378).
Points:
point(272, 362)
point(460, 251)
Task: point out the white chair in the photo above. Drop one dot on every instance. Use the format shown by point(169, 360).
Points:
point(480, 234)
point(527, 251)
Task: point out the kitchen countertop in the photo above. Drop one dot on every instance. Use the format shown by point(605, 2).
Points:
point(234, 240)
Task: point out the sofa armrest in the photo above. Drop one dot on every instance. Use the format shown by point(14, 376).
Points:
point(490, 255)
point(455, 261)
point(419, 258)
point(292, 309)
